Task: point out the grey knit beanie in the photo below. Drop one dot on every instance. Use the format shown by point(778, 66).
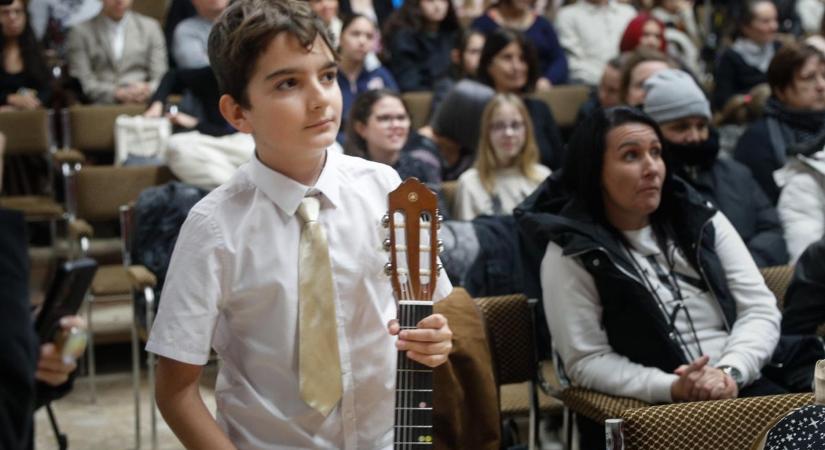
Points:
point(458, 117)
point(673, 94)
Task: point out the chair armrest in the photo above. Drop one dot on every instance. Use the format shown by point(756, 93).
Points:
point(596, 405)
point(79, 228)
point(141, 277)
point(68, 156)
point(710, 425)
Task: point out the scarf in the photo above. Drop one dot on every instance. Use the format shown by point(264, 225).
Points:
point(803, 125)
point(755, 55)
point(699, 154)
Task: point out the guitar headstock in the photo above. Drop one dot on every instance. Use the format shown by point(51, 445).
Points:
point(413, 222)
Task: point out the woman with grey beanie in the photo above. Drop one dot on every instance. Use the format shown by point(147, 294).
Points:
point(675, 101)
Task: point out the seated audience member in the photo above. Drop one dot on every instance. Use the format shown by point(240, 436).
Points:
point(508, 64)
point(31, 376)
point(449, 142)
point(802, 202)
point(354, 77)
point(649, 292)
point(506, 169)
point(327, 10)
point(377, 129)
point(189, 42)
point(519, 15)
point(745, 63)
point(201, 83)
point(418, 38)
point(179, 10)
point(644, 31)
point(590, 31)
point(803, 311)
point(52, 19)
point(606, 94)
point(205, 151)
point(639, 66)
point(119, 56)
point(24, 78)
point(810, 13)
point(677, 15)
point(379, 11)
point(676, 102)
point(464, 59)
point(793, 118)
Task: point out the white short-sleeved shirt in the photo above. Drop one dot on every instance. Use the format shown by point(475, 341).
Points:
point(233, 286)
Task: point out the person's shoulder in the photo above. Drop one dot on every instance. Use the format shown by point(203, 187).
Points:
point(234, 194)
point(470, 175)
point(484, 23)
point(623, 8)
point(542, 170)
point(146, 22)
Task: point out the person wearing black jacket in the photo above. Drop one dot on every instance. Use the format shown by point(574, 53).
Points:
point(676, 102)
point(804, 310)
point(31, 376)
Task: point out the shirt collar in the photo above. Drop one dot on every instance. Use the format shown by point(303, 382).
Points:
point(113, 26)
point(287, 193)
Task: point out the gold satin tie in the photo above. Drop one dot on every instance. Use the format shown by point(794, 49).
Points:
point(319, 367)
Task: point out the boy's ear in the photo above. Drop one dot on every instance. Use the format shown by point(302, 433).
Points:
point(234, 114)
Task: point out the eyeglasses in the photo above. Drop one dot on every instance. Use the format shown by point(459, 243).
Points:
point(501, 127)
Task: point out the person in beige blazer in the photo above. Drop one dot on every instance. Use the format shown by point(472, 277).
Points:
point(118, 56)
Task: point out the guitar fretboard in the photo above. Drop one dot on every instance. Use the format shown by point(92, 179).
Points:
point(414, 387)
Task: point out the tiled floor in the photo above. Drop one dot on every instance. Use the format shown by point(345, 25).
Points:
point(109, 424)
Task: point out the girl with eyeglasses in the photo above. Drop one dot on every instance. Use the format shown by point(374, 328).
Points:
point(507, 166)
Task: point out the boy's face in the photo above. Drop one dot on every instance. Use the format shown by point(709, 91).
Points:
point(295, 102)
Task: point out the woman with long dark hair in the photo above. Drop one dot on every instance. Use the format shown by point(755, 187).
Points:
point(649, 292)
point(418, 38)
point(508, 64)
point(24, 78)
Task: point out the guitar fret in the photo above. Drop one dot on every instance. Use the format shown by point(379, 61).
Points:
point(413, 409)
point(413, 370)
point(414, 390)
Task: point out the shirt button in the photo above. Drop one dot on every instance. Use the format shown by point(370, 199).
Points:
point(596, 262)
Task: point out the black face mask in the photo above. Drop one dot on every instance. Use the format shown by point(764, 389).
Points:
point(696, 154)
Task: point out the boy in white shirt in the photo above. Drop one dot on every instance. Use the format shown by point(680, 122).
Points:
point(234, 280)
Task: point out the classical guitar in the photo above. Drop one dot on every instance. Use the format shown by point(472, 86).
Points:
point(413, 222)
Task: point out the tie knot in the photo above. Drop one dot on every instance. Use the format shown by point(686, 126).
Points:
point(308, 211)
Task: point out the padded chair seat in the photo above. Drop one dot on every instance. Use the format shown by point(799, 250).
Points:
point(515, 401)
point(111, 280)
point(712, 425)
point(596, 405)
point(33, 206)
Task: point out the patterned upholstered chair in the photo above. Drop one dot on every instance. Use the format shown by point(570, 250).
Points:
point(510, 328)
point(632, 412)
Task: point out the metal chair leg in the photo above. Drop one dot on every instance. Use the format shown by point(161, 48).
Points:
point(90, 361)
point(532, 433)
point(149, 295)
point(136, 377)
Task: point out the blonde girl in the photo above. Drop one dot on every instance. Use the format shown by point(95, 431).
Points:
point(507, 166)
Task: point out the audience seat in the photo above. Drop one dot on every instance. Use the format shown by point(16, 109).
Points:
point(91, 128)
point(97, 196)
point(510, 324)
point(419, 105)
point(564, 101)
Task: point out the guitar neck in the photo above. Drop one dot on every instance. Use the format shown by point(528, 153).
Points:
point(414, 386)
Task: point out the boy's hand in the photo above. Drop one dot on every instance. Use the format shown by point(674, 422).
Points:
point(429, 344)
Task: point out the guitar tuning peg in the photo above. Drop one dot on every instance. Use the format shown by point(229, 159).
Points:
point(438, 269)
point(388, 269)
point(438, 219)
point(385, 221)
point(387, 245)
point(440, 246)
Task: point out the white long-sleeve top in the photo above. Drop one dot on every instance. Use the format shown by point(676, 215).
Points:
point(801, 204)
point(590, 36)
point(574, 313)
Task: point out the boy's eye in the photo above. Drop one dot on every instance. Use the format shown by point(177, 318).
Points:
point(289, 83)
point(329, 76)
